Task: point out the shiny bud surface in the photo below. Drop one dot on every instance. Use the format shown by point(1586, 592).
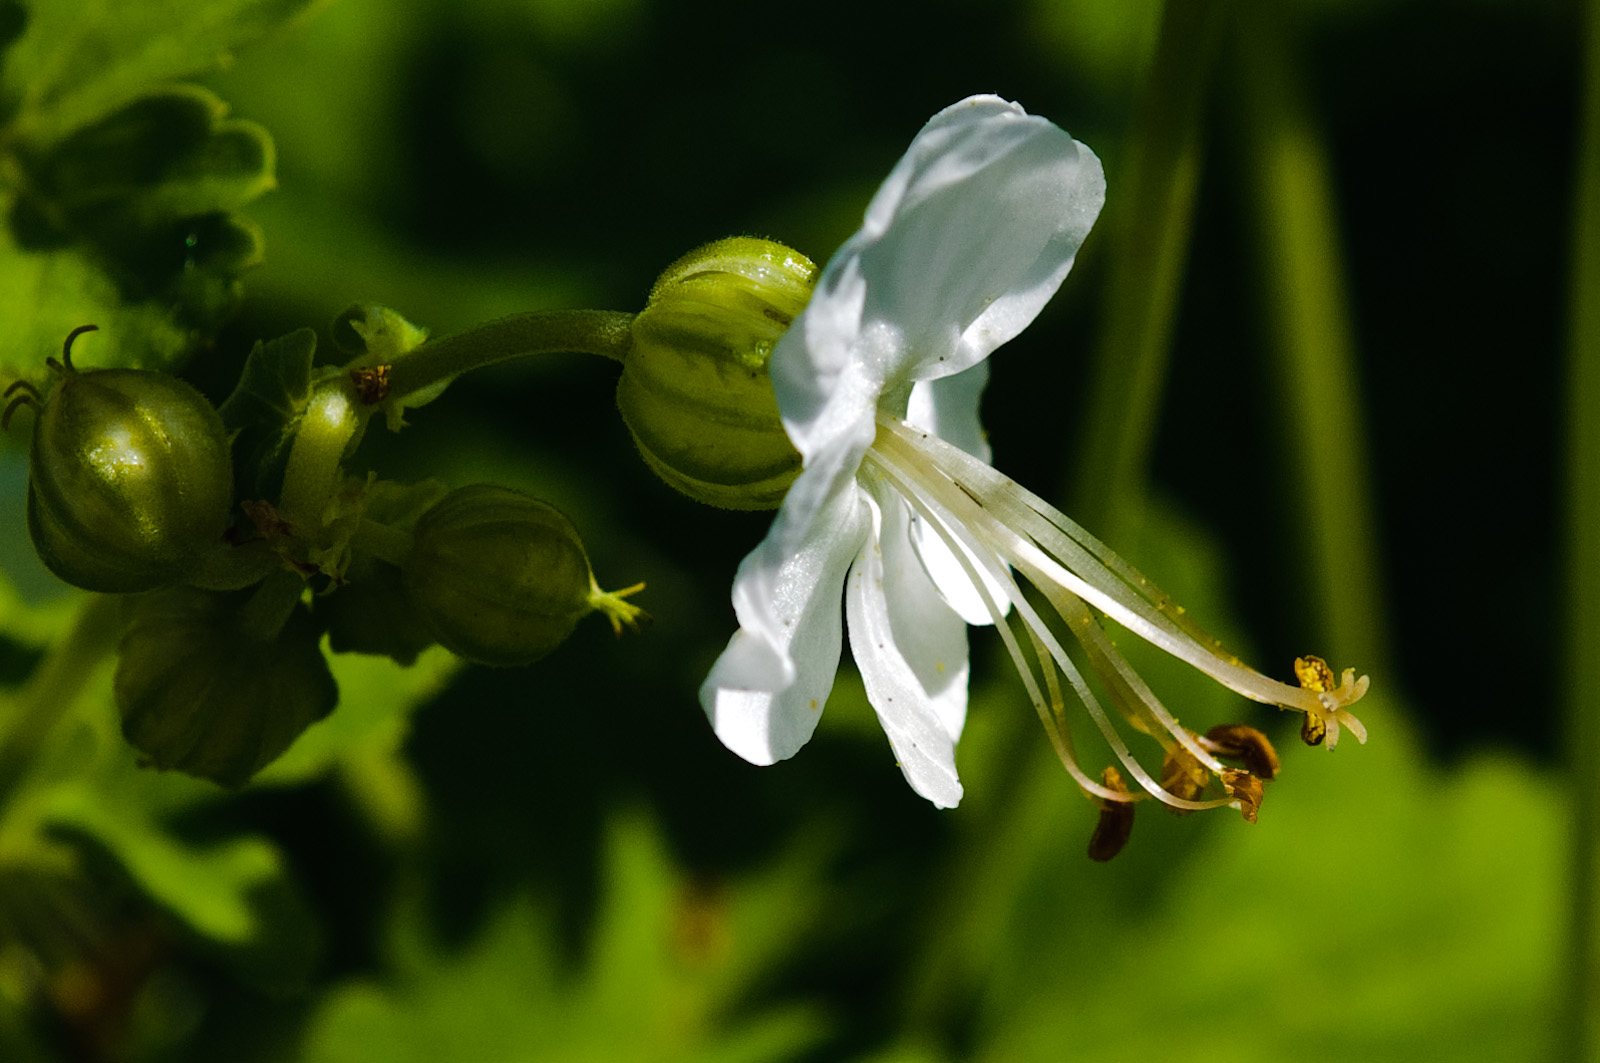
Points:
point(130, 479)
point(695, 391)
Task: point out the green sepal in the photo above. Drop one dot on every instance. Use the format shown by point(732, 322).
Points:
point(378, 336)
point(201, 694)
point(272, 392)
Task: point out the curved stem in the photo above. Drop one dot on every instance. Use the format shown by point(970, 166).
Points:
point(331, 419)
point(52, 690)
point(382, 541)
point(607, 333)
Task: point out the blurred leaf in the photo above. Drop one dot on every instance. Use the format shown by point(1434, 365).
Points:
point(208, 887)
point(376, 699)
point(78, 60)
point(1380, 910)
point(128, 224)
point(170, 154)
point(668, 958)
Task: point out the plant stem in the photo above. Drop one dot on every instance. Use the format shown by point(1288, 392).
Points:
point(1152, 229)
point(331, 420)
point(1312, 350)
point(51, 691)
point(607, 333)
point(1581, 1026)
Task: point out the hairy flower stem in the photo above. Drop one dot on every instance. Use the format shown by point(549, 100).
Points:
point(603, 332)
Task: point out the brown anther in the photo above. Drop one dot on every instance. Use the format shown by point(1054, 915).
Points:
point(1116, 820)
point(372, 384)
point(1314, 674)
point(1247, 789)
point(1183, 776)
point(1244, 744)
point(1313, 729)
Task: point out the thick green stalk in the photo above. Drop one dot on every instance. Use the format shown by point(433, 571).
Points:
point(1309, 335)
point(607, 333)
point(1151, 208)
point(1581, 1040)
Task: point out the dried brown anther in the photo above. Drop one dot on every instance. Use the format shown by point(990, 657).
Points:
point(372, 384)
point(1116, 820)
point(1247, 745)
point(1313, 729)
point(1247, 790)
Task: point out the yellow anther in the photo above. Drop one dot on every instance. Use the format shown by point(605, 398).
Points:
point(1314, 674)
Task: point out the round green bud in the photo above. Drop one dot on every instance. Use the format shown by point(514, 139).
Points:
point(501, 578)
point(694, 389)
point(130, 479)
point(202, 693)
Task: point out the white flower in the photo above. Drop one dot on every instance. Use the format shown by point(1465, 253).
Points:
point(878, 383)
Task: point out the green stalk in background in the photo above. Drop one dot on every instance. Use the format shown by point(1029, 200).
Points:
point(1152, 210)
point(1022, 813)
point(1582, 651)
point(1309, 337)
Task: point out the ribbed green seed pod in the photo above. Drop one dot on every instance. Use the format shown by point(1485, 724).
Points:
point(129, 479)
point(501, 578)
point(694, 389)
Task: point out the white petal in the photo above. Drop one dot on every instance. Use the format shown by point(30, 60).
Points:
point(948, 407)
point(912, 654)
point(968, 238)
point(766, 692)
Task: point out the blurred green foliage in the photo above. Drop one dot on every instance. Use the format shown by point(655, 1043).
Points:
point(560, 862)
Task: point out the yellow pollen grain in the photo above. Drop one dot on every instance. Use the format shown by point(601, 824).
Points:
point(1314, 674)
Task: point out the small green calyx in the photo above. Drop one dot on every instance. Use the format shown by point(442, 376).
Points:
point(501, 578)
point(695, 391)
point(130, 479)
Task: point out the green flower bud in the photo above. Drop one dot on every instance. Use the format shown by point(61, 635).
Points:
point(202, 692)
point(694, 389)
point(130, 479)
point(502, 579)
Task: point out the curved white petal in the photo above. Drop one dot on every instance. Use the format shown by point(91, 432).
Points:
point(968, 238)
point(767, 690)
point(948, 407)
point(912, 654)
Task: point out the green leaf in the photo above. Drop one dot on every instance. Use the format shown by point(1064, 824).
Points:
point(208, 887)
point(128, 224)
point(265, 405)
point(79, 60)
point(167, 155)
point(668, 960)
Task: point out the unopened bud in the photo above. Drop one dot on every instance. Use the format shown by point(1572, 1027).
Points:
point(501, 578)
point(694, 389)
